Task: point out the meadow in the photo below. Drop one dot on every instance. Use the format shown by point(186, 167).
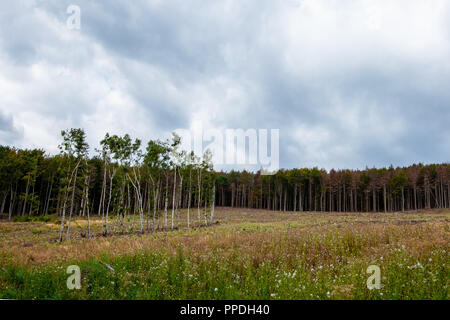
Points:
point(245, 254)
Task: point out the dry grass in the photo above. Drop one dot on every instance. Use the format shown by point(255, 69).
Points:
point(258, 235)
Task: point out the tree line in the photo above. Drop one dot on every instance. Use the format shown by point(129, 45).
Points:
point(154, 183)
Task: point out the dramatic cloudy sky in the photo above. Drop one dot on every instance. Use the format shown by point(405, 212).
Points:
point(348, 83)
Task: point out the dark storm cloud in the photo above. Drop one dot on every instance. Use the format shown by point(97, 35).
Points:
point(348, 85)
point(9, 134)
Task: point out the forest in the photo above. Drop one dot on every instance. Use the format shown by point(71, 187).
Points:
point(123, 180)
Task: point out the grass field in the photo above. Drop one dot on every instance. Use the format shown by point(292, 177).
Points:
point(246, 254)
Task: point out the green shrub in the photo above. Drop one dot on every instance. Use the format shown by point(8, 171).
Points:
point(22, 219)
point(43, 218)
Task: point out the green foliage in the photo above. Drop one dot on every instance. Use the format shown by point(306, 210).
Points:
point(42, 218)
point(32, 183)
point(151, 275)
point(74, 142)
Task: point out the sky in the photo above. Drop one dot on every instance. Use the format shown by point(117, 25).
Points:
point(349, 84)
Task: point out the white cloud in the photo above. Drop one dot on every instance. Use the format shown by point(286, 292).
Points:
point(346, 82)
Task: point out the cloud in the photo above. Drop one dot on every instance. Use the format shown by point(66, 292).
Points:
point(349, 84)
point(9, 133)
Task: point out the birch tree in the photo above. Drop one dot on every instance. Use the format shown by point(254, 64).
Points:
point(75, 149)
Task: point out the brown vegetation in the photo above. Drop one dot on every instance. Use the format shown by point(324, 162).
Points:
point(257, 235)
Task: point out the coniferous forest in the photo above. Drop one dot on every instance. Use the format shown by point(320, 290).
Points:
point(122, 180)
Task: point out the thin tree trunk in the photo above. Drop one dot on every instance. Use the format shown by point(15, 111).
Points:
point(155, 202)
point(300, 198)
point(199, 197)
point(403, 198)
point(166, 200)
point(180, 198)
point(2, 208)
point(72, 202)
point(48, 198)
point(213, 203)
point(190, 195)
point(173, 194)
point(12, 202)
point(295, 197)
point(26, 197)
